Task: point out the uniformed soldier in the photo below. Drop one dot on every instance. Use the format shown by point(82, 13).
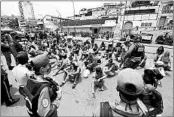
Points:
point(135, 56)
point(129, 85)
point(42, 94)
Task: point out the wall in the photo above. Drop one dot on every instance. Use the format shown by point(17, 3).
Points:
point(105, 29)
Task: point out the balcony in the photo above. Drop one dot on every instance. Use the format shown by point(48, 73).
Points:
point(170, 27)
point(167, 11)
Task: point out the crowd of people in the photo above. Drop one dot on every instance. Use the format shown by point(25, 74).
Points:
point(37, 57)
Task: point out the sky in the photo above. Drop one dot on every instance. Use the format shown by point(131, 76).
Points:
point(49, 8)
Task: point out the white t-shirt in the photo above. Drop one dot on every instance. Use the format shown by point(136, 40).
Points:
point(21, 74)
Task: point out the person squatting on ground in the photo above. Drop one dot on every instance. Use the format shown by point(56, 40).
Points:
point(129, 86)
point(135, 56)
point(98, 80)
point(72, 74)
point(42, 94)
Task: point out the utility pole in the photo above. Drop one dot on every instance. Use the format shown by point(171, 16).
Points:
point(74, 15)
point(60, 20)
point(123, 19)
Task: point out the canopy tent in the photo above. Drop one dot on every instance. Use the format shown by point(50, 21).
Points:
point(6, 29)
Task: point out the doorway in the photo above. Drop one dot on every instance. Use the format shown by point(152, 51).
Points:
point(162, 21)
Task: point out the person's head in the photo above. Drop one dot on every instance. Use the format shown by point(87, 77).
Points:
point(22, 58)
point(137, 39)
point(98, 70)
point(167, 54)
point(102, 43)
point(151, 74)
point(160, 50)
point(126, 43)
point(130, 85)
point(118, 44)
point(148, 88)
point(110, 61)
point(41, 64)
point(74, 65)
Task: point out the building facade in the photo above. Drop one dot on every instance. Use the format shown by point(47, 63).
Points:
point(27, 20)
point(130, 16)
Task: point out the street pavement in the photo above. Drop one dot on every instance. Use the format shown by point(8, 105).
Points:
point(80, 101)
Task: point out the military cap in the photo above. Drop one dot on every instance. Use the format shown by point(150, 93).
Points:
point(40, 60)
point(130, 82)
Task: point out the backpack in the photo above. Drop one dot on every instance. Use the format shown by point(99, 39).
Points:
point(105, 110)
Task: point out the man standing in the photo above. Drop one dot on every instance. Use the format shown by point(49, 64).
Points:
point(7, 98)
point(92, 40)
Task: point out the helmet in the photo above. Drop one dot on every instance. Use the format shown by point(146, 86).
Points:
point(130, 82)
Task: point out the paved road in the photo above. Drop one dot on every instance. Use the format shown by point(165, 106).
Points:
point(80, 102)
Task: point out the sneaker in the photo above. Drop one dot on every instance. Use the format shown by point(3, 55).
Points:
point(11, 67)
point(12, 101)
point(73, 86)
point(62, 83)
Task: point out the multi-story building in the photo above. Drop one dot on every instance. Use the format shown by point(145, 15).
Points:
point(165, 18)
point(139, 16)
point(27, 19)
point(10, 21)
point(123, 16)
point(26, 10)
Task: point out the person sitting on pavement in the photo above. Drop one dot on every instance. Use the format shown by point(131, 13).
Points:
point(111, 68)
point(109, 50)
point(153, 100)
point(95, 49)
point(41, 93)
point(5, 88)
point(84, 53)
point(98, 81)
point(129, 86)
point(102, 46)
point(135, 56)
point(166, 60)
point(153, 76)
point(91, 62)
point(118, 50)
point(159, 53)
point(21, 71)
point(64, 64)
point(72, 74)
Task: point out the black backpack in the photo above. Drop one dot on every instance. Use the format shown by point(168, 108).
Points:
point(105, 110)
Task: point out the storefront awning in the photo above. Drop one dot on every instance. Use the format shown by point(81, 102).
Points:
point(89, 26)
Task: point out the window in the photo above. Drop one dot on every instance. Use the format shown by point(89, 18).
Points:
point(145, 11)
